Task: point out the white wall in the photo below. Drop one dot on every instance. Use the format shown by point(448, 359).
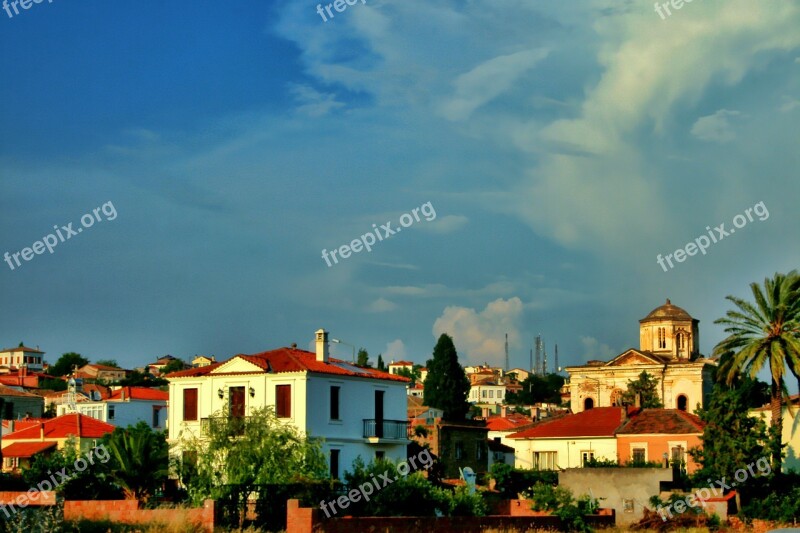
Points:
point(568, 450)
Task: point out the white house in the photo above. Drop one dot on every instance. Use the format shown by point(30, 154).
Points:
point(357, 411)
point(569, 441)
point(22, 356)
point(487, 391)
point(126, 406)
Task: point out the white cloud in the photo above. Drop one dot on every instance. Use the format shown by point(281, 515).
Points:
point(480, 336)
point(489, 80)
point(382, 305)
point(789, 104)
point(716, 127)
point(595, 350)
point(311, 102)
point(395, 351)
point(444, 225)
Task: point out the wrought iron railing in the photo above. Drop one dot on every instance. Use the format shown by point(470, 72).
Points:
point(385, 429)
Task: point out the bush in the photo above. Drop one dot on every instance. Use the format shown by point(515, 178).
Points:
point(510, 481)
point(560, 502)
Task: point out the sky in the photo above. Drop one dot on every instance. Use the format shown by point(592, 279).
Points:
point(552, 151)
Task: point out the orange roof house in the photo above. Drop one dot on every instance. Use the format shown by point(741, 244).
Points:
point(652, 434)
point(50, 434)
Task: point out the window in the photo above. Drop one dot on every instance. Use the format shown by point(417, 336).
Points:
point(334, 461)
point(586, 457)
point(484, 393)
point(479, 451)
point(156, 410)
point(627, 506)
point(111, 412)
point(459, 450)
point(283, 402)
point(682, 401)
point(189, 404)
point(639, 455)
point(380, 454)
point(588, 403)
point(335, 403)
point(491, 394)
point(236, 402)
point(499, 394)
point(545, 460)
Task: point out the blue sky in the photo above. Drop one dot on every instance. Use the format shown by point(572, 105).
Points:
point(563, 148)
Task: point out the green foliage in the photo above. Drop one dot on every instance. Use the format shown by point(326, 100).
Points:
point(66, 362)
point(94, 482)
point(381, 365)
point(560, 502)
point(646, 386)
point(413, 374)
point(447, 386)
point(536, 389)
point(53, 384)
point(764, 335)
point(731, 438)
point(139, 462)
point(362, 358)
point(234, 456)
point(510, 481)
point(107, 362)
point(142, 379)
point(601, 463)
point(420, 431)
point(410, 495)
point(173, 366)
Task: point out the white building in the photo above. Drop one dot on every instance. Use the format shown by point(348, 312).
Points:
point(126, 406)
point(22, 356)
point(358, 411)
point(487, 391)
point(569, 441)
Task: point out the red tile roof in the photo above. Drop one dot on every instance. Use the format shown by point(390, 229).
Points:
point(597, 422)
point(499, 423)
point(8, 391)
point(21, 349)
point(140, 393)
point(294, 360)
point(26, 449)
point(401, 363)
point(662, 422)
point(63, 426)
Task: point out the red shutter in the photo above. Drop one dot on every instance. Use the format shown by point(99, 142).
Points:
point(190, 404)
point(283, 401)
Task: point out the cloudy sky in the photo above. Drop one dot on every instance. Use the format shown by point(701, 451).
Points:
point(562, 146)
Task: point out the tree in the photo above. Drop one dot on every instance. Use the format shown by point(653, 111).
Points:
point(731, 438)
point(381, 365)
point(764, 335)
point(107, 362)
point(173, 366)
point(236, 455)
point(414, 374)
point(142, 379)
point(536, 389)
point(66, 362)
point(446, 386)
point(140, 460)
point(363, 358)
point(646, 387)
point(53, 384)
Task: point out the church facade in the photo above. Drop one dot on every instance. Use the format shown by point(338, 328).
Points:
point(668, 351)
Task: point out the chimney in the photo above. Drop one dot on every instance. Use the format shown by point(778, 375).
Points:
point(122, 394)
point(503, 410)
point(638, 401)
point(322, 345)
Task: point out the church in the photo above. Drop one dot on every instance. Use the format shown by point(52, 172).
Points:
point(668, 350)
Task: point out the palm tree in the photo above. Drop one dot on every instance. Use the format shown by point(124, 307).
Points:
point(763, 334)
point(140, 460)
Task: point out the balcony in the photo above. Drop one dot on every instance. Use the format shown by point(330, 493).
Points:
point(233, 426)
point(381, 431)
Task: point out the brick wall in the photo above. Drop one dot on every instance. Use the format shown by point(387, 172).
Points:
point(128, 512)
point(47, 497)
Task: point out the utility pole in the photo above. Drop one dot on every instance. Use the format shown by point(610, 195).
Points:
point(558, 368)
point(506, 352)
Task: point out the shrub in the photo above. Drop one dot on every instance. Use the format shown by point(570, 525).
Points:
point(560, 502)
point(512, 481)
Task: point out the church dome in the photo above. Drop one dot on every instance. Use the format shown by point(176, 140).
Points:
point(667, 311)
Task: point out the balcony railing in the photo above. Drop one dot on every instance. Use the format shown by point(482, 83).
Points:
point(385, 429)
point(234, 426)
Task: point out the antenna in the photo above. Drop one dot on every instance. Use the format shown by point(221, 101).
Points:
point(537, 369)
point(506, 352)
point(531, 367)
point(558, 368)
point(544, 359)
